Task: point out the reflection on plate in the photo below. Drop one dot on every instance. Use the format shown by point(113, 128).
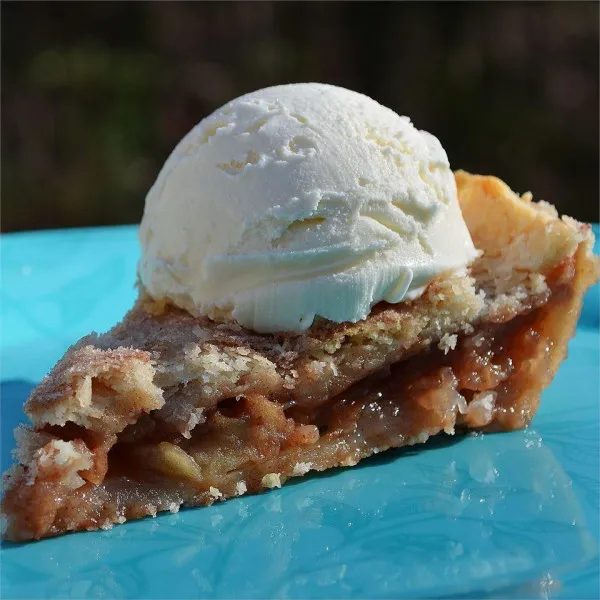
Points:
point(506, 515)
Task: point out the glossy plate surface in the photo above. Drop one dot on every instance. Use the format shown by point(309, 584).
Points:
point(508, 515)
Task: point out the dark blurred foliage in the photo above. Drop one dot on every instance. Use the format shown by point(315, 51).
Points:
point(95, 95)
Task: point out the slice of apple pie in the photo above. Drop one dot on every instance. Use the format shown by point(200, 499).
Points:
point(170, 410)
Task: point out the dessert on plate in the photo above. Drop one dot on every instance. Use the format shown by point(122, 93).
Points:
point(316, 285)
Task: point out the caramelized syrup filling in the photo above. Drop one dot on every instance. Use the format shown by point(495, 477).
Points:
point(476, 386)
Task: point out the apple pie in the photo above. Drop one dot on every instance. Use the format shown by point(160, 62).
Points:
point(169, 410)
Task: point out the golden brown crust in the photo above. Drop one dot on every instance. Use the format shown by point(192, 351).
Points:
point(528, 235)
point(161, 361)
point(157, 352)
point(99, 388)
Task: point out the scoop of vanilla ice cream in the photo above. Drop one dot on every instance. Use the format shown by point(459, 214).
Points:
point(296, 201)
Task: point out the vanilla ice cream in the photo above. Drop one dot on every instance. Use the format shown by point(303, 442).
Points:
point(297, 201)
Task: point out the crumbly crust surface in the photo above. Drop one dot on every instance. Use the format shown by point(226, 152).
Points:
point(206, 411)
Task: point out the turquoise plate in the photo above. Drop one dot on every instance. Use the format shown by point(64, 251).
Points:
point(507, 515)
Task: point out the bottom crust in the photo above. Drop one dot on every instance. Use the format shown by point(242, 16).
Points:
point(490, 380)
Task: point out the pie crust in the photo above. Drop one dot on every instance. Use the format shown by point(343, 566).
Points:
point(167, 409)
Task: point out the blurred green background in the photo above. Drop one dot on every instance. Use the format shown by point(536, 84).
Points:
point(95, 95)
